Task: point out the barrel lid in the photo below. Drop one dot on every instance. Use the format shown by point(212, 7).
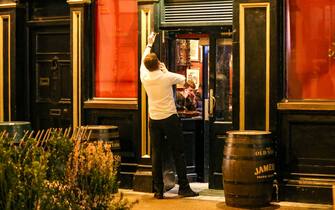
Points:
point(15, 123)
point(248, 132)
point(99, 127)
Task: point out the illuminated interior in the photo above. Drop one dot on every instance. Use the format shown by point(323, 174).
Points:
point(192, 60)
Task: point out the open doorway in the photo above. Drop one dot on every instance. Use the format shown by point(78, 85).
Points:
point(205, 103)
point(192, 60)
point(188, 54)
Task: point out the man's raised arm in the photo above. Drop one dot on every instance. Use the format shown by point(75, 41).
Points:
point(151, 40)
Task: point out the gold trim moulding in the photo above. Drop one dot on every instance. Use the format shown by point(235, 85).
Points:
point(79, 1)
point(8, 5)
point(322, 182)
point(307, 105)
point(98, 103)
point(147, 1)
point(243, 7)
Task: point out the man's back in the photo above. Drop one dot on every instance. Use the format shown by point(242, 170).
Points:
point(158, 86)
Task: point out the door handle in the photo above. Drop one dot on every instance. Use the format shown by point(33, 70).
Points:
point(212, 102)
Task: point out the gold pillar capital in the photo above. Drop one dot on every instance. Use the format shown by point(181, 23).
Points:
point(79, 1)
point(147, 1)
point(8, 5)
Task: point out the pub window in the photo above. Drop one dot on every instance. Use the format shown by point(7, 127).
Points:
point(310, 49)
point(116, 53)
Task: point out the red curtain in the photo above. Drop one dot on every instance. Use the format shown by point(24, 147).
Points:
point(309, 37)
point(116, 69)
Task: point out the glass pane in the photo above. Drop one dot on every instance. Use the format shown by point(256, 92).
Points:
point(310, 49)
point(116, 67)
point(224, 82)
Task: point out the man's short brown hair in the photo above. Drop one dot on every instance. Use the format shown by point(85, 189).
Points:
point(151, 62)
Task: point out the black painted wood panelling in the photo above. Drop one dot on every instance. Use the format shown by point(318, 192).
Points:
point(306, 152)
point(126, 132)
point(128, 124)
point(310, 147)
point(193, 148)
point(255, 38)
point(13, 59)
point(5, 71)
point(255, 68)
point(216, 178)
point(20, 67)
point(48, 9)
point(218, 136)
point(308, 144)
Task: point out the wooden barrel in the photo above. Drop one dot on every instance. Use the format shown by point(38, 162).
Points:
point(15, 128)
point(248, 168)
point(107, 133)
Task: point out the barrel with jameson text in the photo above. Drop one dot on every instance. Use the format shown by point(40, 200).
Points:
point(248, 168)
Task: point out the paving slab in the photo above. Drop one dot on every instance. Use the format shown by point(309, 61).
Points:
point(207, 200)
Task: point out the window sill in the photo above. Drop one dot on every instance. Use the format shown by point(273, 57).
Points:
point(306, 105)
point(103, 103)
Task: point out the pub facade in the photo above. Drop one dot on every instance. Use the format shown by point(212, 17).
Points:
point(256, 65)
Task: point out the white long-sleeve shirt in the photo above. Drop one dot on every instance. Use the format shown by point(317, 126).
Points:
point(158, 85)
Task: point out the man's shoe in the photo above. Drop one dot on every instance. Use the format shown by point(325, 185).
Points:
point(158, 195)
point(188, 192)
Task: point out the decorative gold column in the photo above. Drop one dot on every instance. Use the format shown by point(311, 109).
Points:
point(5, 69)
point(77, 57)
point(145, 137)
point(79, 1)
point(242, 62)
point(76, 67)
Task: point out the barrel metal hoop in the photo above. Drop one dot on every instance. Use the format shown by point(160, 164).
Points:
point(235, 157)
point(249, 138)
point(260, 181)
point(237, 145)
point(244, 196)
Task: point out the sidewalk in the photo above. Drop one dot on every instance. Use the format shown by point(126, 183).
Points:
point(208, 200)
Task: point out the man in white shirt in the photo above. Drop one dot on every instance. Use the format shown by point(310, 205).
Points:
point(163, 119)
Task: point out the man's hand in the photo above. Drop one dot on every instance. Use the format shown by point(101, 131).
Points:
point(151, 38)
point(162, 67)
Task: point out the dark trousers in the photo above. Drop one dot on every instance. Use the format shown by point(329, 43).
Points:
point(171, 128)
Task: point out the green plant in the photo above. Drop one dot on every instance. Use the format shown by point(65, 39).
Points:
point(23, 171)
point(60, 147)
point(92, 176)
point(55, 172)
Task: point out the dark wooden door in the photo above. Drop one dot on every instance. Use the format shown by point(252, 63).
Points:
point(51, 77)
point(219, 102)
